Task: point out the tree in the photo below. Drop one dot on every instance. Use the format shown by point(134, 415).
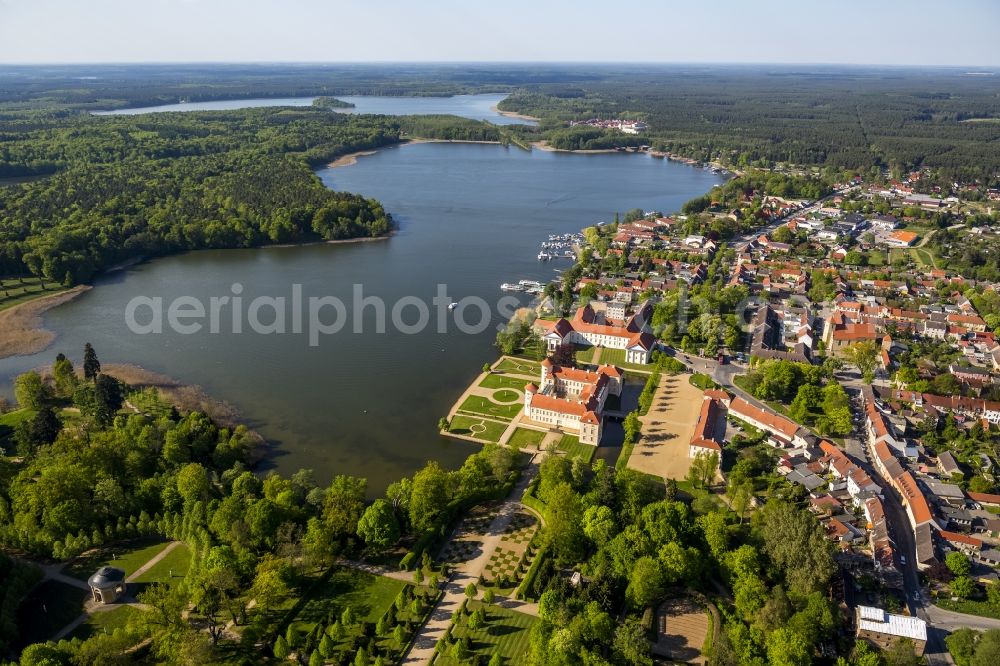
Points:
point(30, 391)
point(344, 505)
point(280, 648)
point(630, 645)
point(564, 519)
point(470, 591)
point(65, 376)
point(91, 366)
point(988, 649)
point(632, 426)
point(599, 524)
point(958, 563)
point(962, 645)
point(963, 587)
point(429, 496)
point(378, 526)
point(795, 542)
point(863, 355)
point(268, 587)
point(108, 398)
point(488, 596)
point(901, 653)
point(192, 483)
point(646, 582)
point(786, 648)
point(41, 430)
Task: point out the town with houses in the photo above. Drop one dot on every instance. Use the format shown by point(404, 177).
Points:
point(902, 334)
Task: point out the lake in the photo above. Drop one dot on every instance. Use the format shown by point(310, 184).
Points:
point(471, 216)
point(477, 107)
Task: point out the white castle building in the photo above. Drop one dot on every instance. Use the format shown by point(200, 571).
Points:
point(572, 400)
point(593, 328)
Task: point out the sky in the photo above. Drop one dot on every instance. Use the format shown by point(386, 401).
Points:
point(889, 32)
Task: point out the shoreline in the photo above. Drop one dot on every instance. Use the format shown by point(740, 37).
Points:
point(22, 331)
point(187, 398)
point(543, 145)
point(513, 114)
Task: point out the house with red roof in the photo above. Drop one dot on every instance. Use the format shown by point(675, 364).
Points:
point(592, 328)
point(572, 400)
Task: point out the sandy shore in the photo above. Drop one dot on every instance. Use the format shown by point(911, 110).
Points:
point(511, 114)
point(21, 330)
point(543, 145)
point(351, 158)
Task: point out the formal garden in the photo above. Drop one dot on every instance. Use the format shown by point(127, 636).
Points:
point(347, 612)
point(478, 428)
point(495, 635)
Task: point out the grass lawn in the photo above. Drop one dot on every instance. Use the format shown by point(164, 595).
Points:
point(970, 607)
point(128, 556)
point(367, 595)
point(585, 355)
point(476, 404)
point(50, 607)
point(571, 445)
point(9, 423)
point(506, 395)
point(876, 258)
point(520, 366)
point(14, 290)
point(105, 621)
point(522, 438)
point(493, 381)
point(506, 633)
point(923, 257)
point(485, 430)
point(177, 561)
point(702, 381)
point(617, 357)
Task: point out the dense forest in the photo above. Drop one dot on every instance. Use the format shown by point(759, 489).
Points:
point(848, 118)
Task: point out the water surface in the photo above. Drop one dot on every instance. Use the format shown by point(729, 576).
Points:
point(477, 107)
point(471, 217)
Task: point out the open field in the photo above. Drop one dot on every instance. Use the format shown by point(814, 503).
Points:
point(506, 633)
point(472, 426)
point(666, 430)
point(523, 438)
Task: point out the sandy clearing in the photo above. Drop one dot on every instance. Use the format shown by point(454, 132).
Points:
point(21, 330)
point(667, 429)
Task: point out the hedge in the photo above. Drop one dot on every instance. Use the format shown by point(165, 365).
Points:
point(529, 578)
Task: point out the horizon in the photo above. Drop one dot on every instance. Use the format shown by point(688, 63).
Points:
point(550, 63)
point(766, 32)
